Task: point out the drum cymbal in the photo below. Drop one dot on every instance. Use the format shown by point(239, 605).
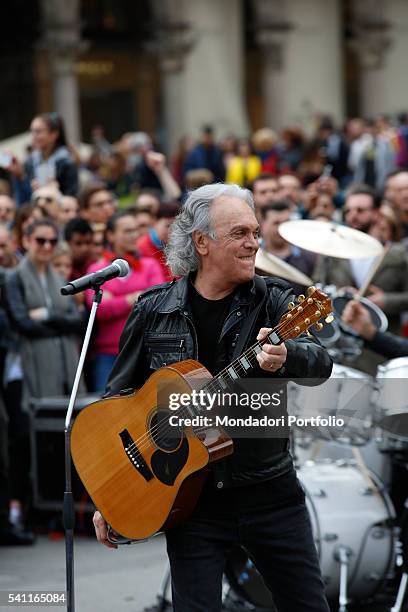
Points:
point(270, 264)
point(330, 239)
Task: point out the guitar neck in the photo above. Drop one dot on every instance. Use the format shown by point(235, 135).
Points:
point(243, 365)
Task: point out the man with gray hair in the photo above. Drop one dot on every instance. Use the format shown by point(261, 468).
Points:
point(253, 497)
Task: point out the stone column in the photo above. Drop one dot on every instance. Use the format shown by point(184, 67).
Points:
point(302, 71)
point(371, 39)
point(173, 41)
point(62, 39)
point(271, 31)
point(202, 66)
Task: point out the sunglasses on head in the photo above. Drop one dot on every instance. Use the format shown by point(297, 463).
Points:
point(42, 241)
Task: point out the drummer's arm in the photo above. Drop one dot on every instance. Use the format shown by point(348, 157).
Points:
point(395, 302)
point(389, 345)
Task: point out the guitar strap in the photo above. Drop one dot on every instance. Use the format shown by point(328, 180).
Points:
point(247, 328)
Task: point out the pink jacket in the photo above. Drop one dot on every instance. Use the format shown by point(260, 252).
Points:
point(113, 311)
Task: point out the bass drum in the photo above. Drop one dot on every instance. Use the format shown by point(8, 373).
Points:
point(345, 511)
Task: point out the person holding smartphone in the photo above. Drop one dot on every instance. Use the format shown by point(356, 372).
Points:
point(49, 162)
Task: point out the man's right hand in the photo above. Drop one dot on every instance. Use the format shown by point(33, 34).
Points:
point(359, 319)
point(101, 530)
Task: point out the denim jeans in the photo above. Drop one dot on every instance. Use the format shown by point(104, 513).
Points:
point(279, 541)
point(101, 369)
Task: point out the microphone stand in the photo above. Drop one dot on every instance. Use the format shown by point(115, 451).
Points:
point(68, 506)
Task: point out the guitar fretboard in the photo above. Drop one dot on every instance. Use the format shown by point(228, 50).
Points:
point(239, 368)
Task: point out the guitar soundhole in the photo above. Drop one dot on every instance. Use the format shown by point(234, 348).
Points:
point(165, 436)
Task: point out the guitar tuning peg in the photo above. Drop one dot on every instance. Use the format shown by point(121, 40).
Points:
point(329, 318)
point(309, 334)
point(311, 290)
point(291, 306)
point(319, 326)
point(301, 298)
point(310, 300)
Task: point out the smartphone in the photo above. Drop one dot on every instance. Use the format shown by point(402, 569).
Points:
point(5, 160)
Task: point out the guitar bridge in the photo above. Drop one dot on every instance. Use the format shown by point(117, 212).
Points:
point(134, 455)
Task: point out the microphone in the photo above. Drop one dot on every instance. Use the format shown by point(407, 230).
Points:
point(119, 267)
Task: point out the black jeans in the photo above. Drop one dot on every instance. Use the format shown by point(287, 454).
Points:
point(278, 539)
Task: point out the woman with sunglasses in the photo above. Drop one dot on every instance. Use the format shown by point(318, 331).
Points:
point(49, 162)
point(46, 322)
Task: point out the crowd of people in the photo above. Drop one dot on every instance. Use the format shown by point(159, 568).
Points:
point(62, 216)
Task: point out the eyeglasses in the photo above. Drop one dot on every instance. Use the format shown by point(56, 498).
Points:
point(357, 209)
point(241, 234)
point(103, 203)
point(42, 241)
point(47, 199)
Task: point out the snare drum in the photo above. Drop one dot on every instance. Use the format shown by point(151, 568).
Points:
point(346, 395)
point(392, 398)
point(377, 316)
point(329, 334)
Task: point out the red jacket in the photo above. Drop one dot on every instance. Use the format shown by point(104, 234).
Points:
point(147, 248)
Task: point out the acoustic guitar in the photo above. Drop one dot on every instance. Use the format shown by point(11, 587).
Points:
point(144, 475)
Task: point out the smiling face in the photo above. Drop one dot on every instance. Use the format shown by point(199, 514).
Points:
point(40, 244)
point(229, 259)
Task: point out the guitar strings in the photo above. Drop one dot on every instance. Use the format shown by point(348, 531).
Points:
point(250, 357)
point(283, 335)
point(140, 442)
point(247, 354)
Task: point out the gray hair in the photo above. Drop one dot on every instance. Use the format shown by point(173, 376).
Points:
point(181, 254)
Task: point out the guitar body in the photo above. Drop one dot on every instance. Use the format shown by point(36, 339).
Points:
point(143, 476)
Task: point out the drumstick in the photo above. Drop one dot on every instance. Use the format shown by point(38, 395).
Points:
point(360, 293)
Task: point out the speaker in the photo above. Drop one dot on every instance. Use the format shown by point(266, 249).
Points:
point(47, 422)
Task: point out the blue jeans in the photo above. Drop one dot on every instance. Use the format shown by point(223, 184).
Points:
point(279, 541)
point(101, 369)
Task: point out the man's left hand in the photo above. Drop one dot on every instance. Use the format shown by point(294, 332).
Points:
point(272, 357)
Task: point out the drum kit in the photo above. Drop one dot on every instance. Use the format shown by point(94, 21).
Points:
point(361, 541)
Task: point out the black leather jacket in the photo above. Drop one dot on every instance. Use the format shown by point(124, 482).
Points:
point(160, 331)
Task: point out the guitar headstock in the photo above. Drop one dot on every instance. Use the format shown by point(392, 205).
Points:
point(307, 312)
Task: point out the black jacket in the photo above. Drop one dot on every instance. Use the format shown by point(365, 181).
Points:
point(389, 345)
point(160, 331)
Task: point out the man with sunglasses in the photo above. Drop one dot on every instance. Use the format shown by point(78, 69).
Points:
point(46, 321)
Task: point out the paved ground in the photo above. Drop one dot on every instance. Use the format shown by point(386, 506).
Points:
point(125, 580)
